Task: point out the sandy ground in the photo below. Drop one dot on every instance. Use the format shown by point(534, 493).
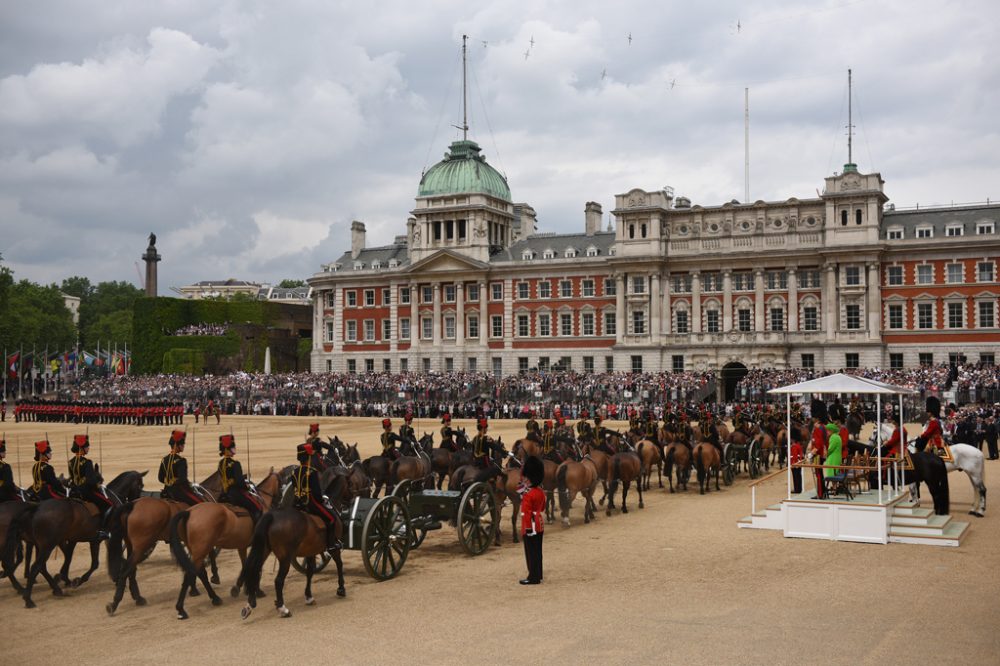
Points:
point(676, 582)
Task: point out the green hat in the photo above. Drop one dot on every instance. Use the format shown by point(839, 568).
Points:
point(833, 427)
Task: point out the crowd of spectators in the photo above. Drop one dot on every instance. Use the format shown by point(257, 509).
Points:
point(203, 329)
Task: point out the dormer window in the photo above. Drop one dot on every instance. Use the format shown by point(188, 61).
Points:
point(359, 265)
point(376, 263)
point(925, 232)
point(592, 251)
point(954, 230)
point(527, 255)
point(548, 254)
point(983, 228)
point(570, 252)
point(393, 263)
point(895, 234)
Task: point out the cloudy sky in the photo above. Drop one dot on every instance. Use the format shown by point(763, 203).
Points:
point(248, 134)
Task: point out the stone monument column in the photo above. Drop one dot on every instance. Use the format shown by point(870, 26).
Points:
point(151, 257)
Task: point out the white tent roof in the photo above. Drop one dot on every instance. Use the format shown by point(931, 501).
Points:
point(841, 383)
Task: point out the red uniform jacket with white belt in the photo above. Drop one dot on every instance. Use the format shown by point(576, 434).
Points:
point(532, 511)
point(932, 433)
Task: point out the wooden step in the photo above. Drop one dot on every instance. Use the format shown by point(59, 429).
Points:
point(935, 525)
point(913, 511)
point(920, 520)
point(951, 535)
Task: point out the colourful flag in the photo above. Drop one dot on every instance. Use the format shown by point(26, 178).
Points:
point(89, 359)
point(120, 366)
point(69, 361)
point(12, 365)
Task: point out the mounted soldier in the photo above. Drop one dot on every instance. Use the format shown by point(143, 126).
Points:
point(9, 492)
point(447, 434)
point(235, 489)
point(600, 436)
point(313, 435)
point(584, 432)
point(406, 432)
point(45, 486)
point(933, 436)
point(481, 446)
point(309, 495)
point(649, 431)
point(389, 439)
point(709, 431)
point(549, 449)
point(85, 481)
point(533, 431)
point(173, 473)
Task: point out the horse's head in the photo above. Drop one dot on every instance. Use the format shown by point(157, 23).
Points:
point(127, 486)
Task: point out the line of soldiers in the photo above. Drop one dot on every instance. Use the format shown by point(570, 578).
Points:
point(147, 413)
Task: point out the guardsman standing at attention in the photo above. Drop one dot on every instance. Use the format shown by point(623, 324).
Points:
point(389, 440)
point(533, 431)
point(817, 446)
point(309, 494)
point(85, 480)
point(532, 512)
point(174, 473)
point(406, 433)
point(933, 436)
point(234, 485)
point(481, 446)
point(45, 485)
point(549, 451)
point(8, 491)
point(447, 434)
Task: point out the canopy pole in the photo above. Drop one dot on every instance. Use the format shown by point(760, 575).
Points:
point(903, 443)
point(878, 430)
point(788, 440)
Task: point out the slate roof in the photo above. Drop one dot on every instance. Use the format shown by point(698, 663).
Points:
point(370, 254)
point(558, 243)
point(940, 219)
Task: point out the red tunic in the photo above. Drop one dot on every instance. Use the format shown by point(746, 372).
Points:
point(532, 511)
point(892, 446)
point(819, 440)
point(932, 433)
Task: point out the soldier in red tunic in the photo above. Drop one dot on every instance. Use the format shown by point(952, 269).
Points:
point(932, 436)
point(532, 523)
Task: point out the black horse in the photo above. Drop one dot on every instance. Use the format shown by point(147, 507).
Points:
point(930, 469)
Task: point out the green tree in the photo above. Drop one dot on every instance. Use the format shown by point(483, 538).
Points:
point(105, 311)
point(34, 315)
point(78, 286)
point(291, 284)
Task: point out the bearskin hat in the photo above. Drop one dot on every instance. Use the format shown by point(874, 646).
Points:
point(934, 406)
point(226, 442)
point(818, 409)
point(534, 470)
point(80, 442)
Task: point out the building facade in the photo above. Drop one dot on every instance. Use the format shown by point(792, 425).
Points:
point(836, 281)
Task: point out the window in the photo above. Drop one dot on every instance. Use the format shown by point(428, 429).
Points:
point(852, 276)
point(987, 359)
point(522, 290)
point(449, 328)
point(925, 315)
point(427, 294)
point(925, 274)
point(984, 271)
point(472, 363)
point(496, 326)
point(925, 232)
point(609, 364)
point(449, 364)
point(369, 297)
point(404, 296)
point(852, 312)
point(386, 296)
point(496, 291)
point(808, 361)
point(843, 218)
point(808, 279)
point(522, 326)
point(544, 289)
point(682, 321)
point(527, 255)
point(955, 315)
point(544, 325)
point(857, 216)
point(926, 358)
point(404, 329)
point(565, 324)
point(329, 365)
point(954, 231)
point(522, 363)
point(711, 282)
point(895, 316)
point(895, 361)
point(473, 325)
point(472, 293)
point(587, 323)
point(712, 321)
point(681, 284)
point(851, 360)
point(742, 282)
point(776, 280)
point(386, 329)
point(744, 321)
point(895, 234)
point(591, 252)
point(639, 284)
point(427, 328)
point(548, 253)
point(610, 288)
point(810, 318)
point(329, 332)
point(352, 331)
point(404, 365)
point(543, 363)
point(386, 365)
point(986, 319)
point(610, 325)
point(954, 273)
point(639, 322)
point(369, 330)
point(637, 363)
point(328, 299)
point(352, 366)
point(677, 362)
point(566, 289)
point(352, 298)
point(984, 228)
point(588, 363)
point(449, 293)
point(894, 275)
point(426, 362)
point(587, 288)
point(777, 319)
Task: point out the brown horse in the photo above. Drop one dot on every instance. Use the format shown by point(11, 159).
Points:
point(577, 477)
point(602, 460)
point(625, 467)
point(138, 528)
point(529, 447)
point(207, 526)
point(549, 483)
point(651, 456)
point(707, 462)
point(64, 523)
point(12, 516)
point(680, 455)
point(507, 486)
point(418, 469)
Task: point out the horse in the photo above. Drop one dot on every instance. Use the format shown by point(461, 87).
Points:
point(378, 469)
point(64, 524)
point(766, 443)
point(929, 468)
point(347, 454)
point(574, 477)
point(207, 526)
point(651, 456)
point(707, 463)
point(417, 468)
point(602, 460)
point(624, 467)
point(10, 546)
point(291, 533)
point(854, 423)
point(136, 530)
point(677, 454)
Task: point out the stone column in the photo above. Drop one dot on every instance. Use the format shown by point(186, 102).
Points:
point(654, 307)
point(696, 302)
point(793, 301)
point(437, 315)
point(460, 314)
point(414, 320)
point(874, 305)
point(338, 326)
point(394, 317)
point(484, 317)
point(727, 301)
point(669, 324)
point(831, 318)
point(758, 300)
point(508, 313)
point(319, 326)
point(620, 322)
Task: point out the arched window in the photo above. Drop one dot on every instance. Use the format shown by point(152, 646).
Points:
point(843, 218)
point(857, 216)
point(642, 229)
point(631, 231)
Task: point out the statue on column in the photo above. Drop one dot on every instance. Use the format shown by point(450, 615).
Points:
point(152, 242)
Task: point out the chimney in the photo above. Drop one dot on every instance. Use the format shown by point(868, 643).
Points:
point(357, 238)
point(593, 215)
point(527, 222)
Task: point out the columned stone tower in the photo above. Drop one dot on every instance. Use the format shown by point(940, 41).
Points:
point(151, 257)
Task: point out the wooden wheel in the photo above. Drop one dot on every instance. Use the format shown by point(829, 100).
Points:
point(385, 538)
point(476, 522)
point(727, 475)
point(753, 460)
point(299, 563)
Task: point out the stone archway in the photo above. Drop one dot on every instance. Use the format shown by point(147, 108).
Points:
point(731, 374)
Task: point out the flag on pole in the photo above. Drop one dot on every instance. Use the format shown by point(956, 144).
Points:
point(69, 361)
point(89, 359)
point(12, 362)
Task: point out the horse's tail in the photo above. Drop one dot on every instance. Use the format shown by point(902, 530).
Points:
point(18, 524)
point(178, 523)
point(564, 504)
point(116, 546)
point(393, 469)
point(668, 460)
point(699, 462)
point(615, 474)
point(258, 553)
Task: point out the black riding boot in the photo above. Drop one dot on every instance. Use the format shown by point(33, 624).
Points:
point(332, 542)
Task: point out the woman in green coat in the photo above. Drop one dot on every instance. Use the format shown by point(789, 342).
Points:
point(834, 448)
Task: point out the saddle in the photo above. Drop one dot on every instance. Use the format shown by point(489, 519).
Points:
point(91, 508)
point(238, 511)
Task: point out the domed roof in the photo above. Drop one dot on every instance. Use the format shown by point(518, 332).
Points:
point(462, 170)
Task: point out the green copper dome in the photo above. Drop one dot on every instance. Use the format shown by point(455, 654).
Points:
point(463, 169)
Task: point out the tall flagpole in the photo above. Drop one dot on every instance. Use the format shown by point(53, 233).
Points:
point(20, 362)
point(31, 370)
point(6, 371)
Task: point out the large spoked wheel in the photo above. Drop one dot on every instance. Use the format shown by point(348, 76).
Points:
point(753, 460)
point(385, 538)
point(299, 563)
point(477, 521)
point(727, 475)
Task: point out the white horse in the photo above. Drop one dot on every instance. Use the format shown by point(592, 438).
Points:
point(967, 459)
